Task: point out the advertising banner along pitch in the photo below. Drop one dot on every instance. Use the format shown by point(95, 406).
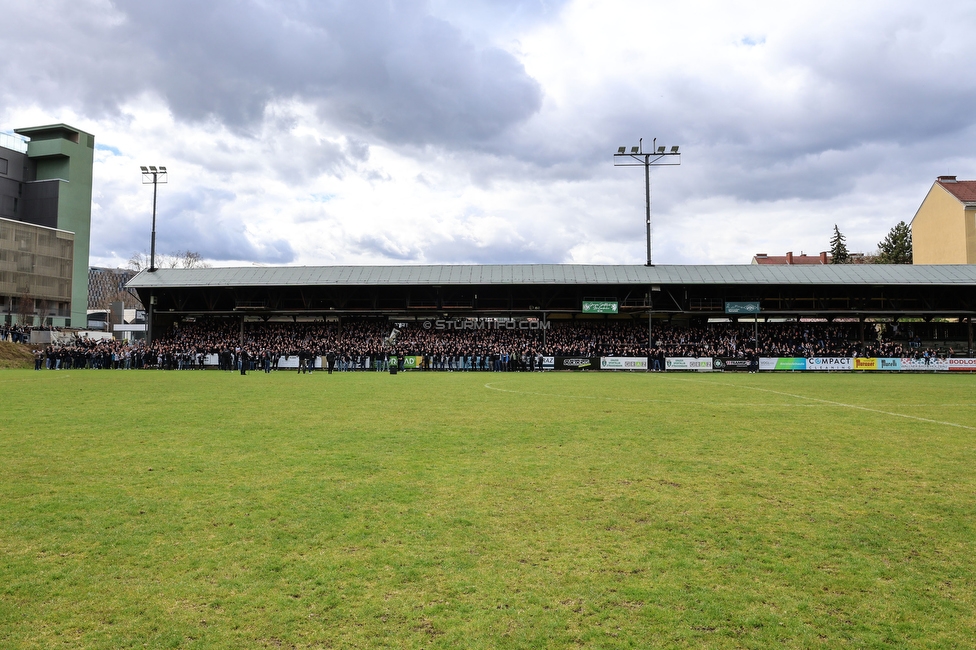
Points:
point(870, 363)
point(702, 364)
point(577, 363)
point(830, 363)
point(962, 364)
point(922, 365)
point(729, 364)
point(623, 363)
point(782, 363)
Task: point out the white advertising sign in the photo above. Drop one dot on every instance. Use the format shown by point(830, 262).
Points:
point(702, 364)
point(623, 363)
point(549, 362)
point(830, 363)
point(924, 364)
point(962, 364)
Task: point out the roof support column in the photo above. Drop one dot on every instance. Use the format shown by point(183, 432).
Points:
point(969, 323)
point(149, 325)
point(650, 317)
point(545, 327)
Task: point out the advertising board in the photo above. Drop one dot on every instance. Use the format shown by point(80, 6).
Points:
point(412, 362)
point(967, 365)
point(742, 308)
point(782, 363)
point(623, 363)
point(702, 364)
point(599, 307)
point(729, 364)
point(862, 363)
point(577, 363)
point(548, 363)
point(923, 365)
point(830, 363)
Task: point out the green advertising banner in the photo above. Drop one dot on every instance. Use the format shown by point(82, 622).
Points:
point(791, 364)
point(594, 307)
point(742, 308)
point(412, 362)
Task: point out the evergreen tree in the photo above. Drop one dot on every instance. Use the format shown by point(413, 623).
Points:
point(838, 248)
point(896, 248)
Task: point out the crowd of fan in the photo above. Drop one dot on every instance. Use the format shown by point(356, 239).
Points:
point(21, 333)
point(360, 345)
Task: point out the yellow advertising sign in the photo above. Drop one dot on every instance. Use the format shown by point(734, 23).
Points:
point(865, 364)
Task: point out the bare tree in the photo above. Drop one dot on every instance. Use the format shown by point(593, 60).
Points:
point(126, 296)
point(25, 308)
point(190, 260)
point(179, 260)
point(138, 262)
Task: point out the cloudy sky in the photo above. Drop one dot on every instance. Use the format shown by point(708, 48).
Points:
point(371, 132)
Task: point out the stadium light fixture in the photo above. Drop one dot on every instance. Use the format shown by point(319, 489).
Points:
point(656, 157)
point(153, 176)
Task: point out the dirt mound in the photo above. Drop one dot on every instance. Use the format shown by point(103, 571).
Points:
point(16, 355)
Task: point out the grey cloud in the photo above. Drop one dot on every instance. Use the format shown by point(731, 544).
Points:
point(858, 96)
point(497, 17)
point(386, 70)
point(197, 220)
point(194, 220)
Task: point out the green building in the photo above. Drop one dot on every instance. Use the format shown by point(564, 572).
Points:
point(46, 181)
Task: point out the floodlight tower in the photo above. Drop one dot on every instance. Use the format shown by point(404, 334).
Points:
point(152, 175)
point(656, 157)
point(155, 176)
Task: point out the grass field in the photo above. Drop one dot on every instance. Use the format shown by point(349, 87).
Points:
point(206, 509)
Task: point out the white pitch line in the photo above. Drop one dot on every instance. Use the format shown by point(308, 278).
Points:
point(841, 404)
point(642, 401)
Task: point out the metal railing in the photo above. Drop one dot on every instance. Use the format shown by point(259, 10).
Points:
point(13, 141)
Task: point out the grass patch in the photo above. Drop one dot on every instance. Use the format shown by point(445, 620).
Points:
point(206, 509)
point(16, 356)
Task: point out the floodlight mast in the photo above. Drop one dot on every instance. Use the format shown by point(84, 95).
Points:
point(656, 157)
point(154, 176)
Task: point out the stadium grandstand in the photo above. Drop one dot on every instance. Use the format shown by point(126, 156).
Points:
point(494, 317)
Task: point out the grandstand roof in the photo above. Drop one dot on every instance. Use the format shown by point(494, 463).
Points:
point(559, 274)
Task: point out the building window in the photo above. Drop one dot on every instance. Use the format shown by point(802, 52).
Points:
point(3, 166)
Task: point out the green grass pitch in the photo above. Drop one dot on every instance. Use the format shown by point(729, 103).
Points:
point(210, 510)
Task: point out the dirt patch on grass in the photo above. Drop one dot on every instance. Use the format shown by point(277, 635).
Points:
point(16, 355)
